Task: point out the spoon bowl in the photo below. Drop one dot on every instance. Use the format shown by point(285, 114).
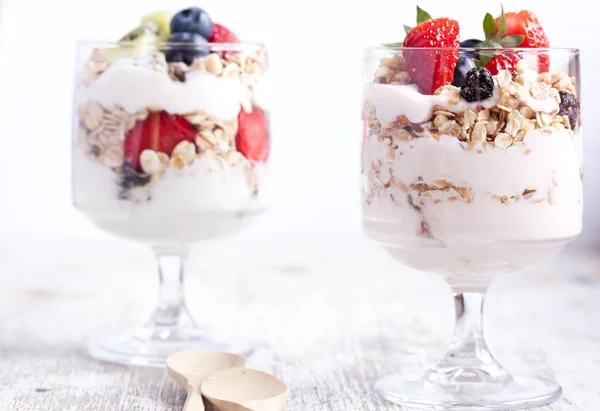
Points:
point(189, 368)
point(244, 389)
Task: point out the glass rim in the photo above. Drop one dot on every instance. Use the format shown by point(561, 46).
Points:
point(504, 50)
point(238, 46)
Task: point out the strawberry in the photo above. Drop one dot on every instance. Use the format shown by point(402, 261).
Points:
point(432, 69)
point(526, 23)
point(160, 131)
point(502, 62)
point(252, 139)
point(221, 34)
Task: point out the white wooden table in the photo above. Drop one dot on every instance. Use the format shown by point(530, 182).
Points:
point(329, 321)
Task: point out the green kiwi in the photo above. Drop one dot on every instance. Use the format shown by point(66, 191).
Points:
point(144, 37)
point(162, 19)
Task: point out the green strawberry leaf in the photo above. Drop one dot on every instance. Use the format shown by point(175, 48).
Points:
point(392, 44)
point(489, 45)
point(512, 41)
point(489, 26)
point(407, 28)
point(422, 15)
point(483, 60)
point(501, 26)
point(486, 55)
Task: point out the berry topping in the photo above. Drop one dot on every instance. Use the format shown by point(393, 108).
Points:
point(432, 69)
point(526, 23)
point(496, 37)
point(469, 44)
point(466, 61)
point(502, 62)
point(186, 54)
point(221, 34)
point(252, 139)
point(160, 131)
point(479, 85)
point(569, 106)
point(193, 20)
point(130, 178)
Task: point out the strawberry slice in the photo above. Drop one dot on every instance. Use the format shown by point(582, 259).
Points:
point(221, 34)
point(526, 23)
point(432, 69)
point(252, 139)
point(503, 62)
point(160, 131)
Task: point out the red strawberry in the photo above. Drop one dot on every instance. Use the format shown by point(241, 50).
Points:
point(431, 69)
point(160, 131)
point(527, 24)
point(502, 62)
point(221, 34)
point(252, 139)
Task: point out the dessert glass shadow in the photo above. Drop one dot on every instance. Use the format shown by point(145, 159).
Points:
point(471, 181)
point(169, 154)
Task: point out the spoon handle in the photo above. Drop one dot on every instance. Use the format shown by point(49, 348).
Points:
point(194, 401)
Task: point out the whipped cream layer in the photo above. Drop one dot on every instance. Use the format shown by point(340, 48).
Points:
point(392, 101)
point(137, 87)
point(203, 200)
point(549, 163)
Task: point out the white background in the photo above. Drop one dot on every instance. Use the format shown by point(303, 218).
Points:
point(316, 54)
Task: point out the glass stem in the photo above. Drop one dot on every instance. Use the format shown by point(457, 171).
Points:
point(171, 311)
point(469, 358)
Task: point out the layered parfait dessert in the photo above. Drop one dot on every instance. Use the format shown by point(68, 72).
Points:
point(171, 141)
point(472, 157)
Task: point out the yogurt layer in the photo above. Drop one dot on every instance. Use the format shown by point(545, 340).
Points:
point(203, 200)
point(546, 168)
point(137, 87)
point(392, 101)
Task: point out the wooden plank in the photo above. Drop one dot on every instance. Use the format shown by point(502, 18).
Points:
point(329, 322)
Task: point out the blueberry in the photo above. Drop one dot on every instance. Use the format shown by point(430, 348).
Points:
point(466, 62)
point(192, 20)
point(463, 66)
point(479, 85)
point(186, 54)
point(469, 44)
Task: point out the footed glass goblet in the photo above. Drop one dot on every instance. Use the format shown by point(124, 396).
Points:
point(471, 181)
point(169, 154)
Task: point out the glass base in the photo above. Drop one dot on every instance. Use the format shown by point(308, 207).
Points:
point(152, 346)
point(430, 392)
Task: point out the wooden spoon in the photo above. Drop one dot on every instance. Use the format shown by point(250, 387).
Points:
point(189, 368)
point(244, 389)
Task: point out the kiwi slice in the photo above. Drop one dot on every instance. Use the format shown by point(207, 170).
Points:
point(162, 19)
point(144, 37)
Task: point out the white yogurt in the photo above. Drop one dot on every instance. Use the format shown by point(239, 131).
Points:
point(483, 237)
point(201, 201)
point(393, 100)
point(136, 87)
point(417, 107)
point(552, 165)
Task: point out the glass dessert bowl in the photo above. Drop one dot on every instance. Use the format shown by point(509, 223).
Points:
point(170, 148)
point(470, 172)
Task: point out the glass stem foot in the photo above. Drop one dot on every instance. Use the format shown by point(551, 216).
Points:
point(468, 376)
point(171, 327)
